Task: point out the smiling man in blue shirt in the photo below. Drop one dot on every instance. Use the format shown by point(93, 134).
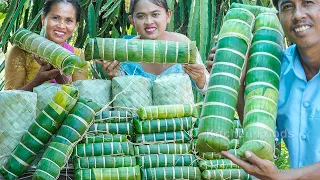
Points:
point(299, 95)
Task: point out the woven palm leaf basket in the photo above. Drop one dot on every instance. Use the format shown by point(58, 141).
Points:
point(173, 88)
point(45, 93)
point(131, 92)
point(17, 112)
point(97, 90)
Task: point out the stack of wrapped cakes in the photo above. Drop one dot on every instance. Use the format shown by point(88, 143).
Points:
point(105, 151)
point(215, 166)
point(163, 143)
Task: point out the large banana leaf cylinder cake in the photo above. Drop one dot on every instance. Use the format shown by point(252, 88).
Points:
point(51, 52)
point(216, 124)
point(261, 91)
point(136, 50)
point(45, 93)
point(17, 113)
point(70, 133)
point(97, 90)
point(131, 92)
point(173, 88)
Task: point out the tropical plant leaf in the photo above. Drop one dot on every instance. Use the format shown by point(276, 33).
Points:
point(33, 23)
point(9, 16)
point(92, 24)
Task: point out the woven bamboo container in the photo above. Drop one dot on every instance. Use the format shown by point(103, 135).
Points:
point(17, 112)
point(97, 90)
point(174, 88)
point(45, 93)
point(131, 92)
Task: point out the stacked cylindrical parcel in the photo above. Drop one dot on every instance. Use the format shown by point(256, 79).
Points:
point(216, 124)
point(163, 143)
point(136, 50)
point(70, 133)
point(105, 151)
point(40, 132)
point(213, 165)
point(262, 84)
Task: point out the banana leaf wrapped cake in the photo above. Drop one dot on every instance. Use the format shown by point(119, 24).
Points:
point(261, 91)
point(70, 133)
point(51, 52)
point(106, 148)
point(136, 50)
point(216, 124)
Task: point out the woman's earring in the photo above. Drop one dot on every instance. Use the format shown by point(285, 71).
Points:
point(43, 32)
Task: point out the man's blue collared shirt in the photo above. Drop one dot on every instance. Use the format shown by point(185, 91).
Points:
point(298, 120)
